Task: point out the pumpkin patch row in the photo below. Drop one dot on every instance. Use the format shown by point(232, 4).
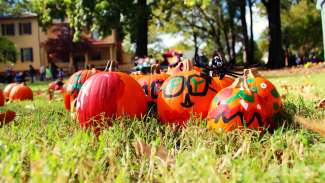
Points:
point(251, 101)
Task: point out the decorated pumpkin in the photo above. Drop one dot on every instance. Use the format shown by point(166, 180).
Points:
point(6, 117)
point(2, 99)
point(184, 94)
point(224, 82)
point(266, 90)
point(7, 90)
point(109, 94)
point(151, 83)
point(76, 81)
point(236, 107)
point(21, 92)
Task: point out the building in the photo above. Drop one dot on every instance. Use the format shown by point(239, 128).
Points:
point(29, 38)
point(321, 6)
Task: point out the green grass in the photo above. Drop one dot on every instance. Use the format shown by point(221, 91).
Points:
point(44, 144)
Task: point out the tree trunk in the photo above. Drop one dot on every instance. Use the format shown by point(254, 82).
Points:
point(247, 58)
point(275, 44)
point(252, 49)
point(142, 29)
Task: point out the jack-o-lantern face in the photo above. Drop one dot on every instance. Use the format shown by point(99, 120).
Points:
point(236, 108)
point(184, 94)
point(151, 85)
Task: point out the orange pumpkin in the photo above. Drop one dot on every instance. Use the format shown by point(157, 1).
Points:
point(76, 81)
point(224, 82)
point(7, 90)
point(6, 117)
point(2, 99)
point(21, 92)
point(236, 107)
point(151, 83)
point(185, 93)
point(266, 90)
point(109, 94)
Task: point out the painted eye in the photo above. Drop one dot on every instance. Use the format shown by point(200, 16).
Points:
point(263, 85)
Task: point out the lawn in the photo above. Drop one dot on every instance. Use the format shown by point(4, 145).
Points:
point(44, 144)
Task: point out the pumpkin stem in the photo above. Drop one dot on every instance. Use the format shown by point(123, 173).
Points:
point(253, 72)
point(240, 82)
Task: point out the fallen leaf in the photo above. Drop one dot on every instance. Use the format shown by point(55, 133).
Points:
point(144, 149)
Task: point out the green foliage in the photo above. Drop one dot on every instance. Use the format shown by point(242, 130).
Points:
point(8, 52)
point(302, 27)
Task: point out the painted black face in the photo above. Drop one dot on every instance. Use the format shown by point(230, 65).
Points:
point(154, 87)
point(197, 85)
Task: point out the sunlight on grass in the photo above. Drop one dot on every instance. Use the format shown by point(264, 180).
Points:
point(45, 145)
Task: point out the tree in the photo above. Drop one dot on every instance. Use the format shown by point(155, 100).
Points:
point(124, 16)
point(301, 23)
point(61, 46)
point(8, 52)
point(247, 58)
point(275, 59)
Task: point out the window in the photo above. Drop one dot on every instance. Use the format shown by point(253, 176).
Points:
point(26, 54)
point(25, 28)
point(8, 29)
point(97, 55)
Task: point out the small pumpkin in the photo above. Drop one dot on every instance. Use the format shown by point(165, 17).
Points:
point(236, 107)
point(7, 90)
point(185, 93)
point(151, 83)
point(109, 94)
point(266, 90)
point(2, 99)
point(55, 86)
point(21, 92)
point(6, 117)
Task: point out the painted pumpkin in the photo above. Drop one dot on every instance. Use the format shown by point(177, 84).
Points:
point(151, 83)
point(7, 90)
point(6, 117)
point(224, 82)
point(235, 107)
point(2, 99)
point(266, 90)
point(21, 92)
point(109, 94)
point(76, 81)
point(186, 93)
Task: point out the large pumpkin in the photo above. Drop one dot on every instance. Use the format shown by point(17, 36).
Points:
point(236, 107)
point(224, 82)
point(266, 90)
point(21, 92)
point(151, 84)
point(2, 99)
point(183, 94)
point(75, 83)
point(7, 90)
point(109, 94)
